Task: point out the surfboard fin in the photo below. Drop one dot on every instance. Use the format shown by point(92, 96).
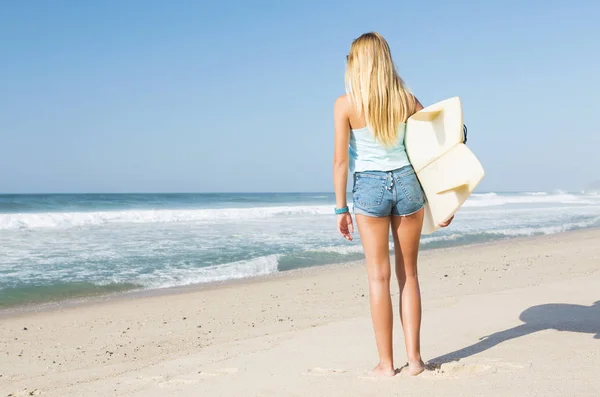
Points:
point(426, 115)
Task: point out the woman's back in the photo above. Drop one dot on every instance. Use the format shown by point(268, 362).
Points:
point(367, 154)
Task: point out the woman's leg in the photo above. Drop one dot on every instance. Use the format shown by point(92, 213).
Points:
point(406, 231)
point(374, 234)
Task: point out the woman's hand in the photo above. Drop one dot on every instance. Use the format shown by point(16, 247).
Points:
point(345, 226)
point(448, 222)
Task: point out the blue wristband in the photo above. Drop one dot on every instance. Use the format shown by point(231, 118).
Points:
point(339, 211)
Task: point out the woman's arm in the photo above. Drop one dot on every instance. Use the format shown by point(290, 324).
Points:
point(340, 163)
point(340, 150)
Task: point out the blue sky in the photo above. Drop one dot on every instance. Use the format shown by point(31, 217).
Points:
point(156, 96)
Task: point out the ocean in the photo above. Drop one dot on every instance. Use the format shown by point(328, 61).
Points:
point(56, 246)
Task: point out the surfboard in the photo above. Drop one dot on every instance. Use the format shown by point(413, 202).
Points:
point(446, 168)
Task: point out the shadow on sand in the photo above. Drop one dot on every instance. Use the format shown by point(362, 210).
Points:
point(557, 316)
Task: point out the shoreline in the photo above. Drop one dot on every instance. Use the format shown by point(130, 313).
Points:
point(133, 294)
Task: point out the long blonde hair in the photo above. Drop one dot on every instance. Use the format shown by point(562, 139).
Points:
point(376, 90)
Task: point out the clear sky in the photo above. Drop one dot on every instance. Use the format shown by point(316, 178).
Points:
point(205, 96)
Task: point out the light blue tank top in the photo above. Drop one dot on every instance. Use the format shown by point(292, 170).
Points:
point(366, 154)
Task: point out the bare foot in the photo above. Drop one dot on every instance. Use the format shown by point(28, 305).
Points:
point(414, 368)
point(382, 371)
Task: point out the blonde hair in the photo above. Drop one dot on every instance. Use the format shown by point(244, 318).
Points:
point(376, 90)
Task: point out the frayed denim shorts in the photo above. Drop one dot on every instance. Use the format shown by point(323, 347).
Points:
point(385, 193)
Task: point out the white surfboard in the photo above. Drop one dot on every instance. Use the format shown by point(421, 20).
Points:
point(446, 168)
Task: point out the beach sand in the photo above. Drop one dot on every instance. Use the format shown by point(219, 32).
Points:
point(510, 318)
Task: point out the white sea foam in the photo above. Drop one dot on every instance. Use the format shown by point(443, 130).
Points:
point(484, 195)
point(174, 276)
point(537, 198)
point(344, 250)
point(553, 229)
point(536, 193)
point(71, 219)
point(447, 237)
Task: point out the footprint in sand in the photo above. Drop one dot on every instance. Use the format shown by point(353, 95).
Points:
point(505, 366)
point(318, 371)
point(456, 369)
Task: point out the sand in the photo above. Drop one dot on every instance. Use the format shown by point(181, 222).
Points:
point(510, 318)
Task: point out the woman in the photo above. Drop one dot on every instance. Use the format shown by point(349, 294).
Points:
point(370, 122)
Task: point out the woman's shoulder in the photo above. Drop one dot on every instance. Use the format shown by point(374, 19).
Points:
point(342, 104)
point(342, 100)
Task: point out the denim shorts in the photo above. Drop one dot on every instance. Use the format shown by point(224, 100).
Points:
point(385, 193)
